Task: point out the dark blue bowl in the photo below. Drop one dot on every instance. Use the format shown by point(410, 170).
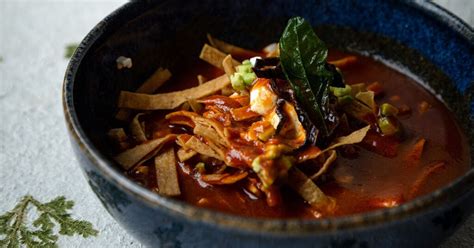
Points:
point(419, 36)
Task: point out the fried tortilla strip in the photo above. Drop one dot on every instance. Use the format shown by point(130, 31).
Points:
point(182, 113)
point(309, 191)
point(231, 49)
point(195, 106)
point(310, 152)
point(227, 91)
point(117, 135)
point(325, 167)
point(185, 106)
point(137, 129)
point(119, 138)
point(244, 100)
point(210, 133)
point(156, 80)
point(228, 66)
point(182, 117)
point(222, 179)
point(142, 152)
point(243, 113)
point(166, 174)
point(180, 120)
point(292, 130)
point(367, 98)
point(159, 77)
point(185, 154)
point(214, 57)
point(201, 79)
point(353, 138)
point(215, 125)
point(172, 100)
point(360, 111)
point(234, 178)
point(182, 139)
point(217, 148)
point(201, 148)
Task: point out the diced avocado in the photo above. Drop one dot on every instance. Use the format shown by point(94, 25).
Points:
point(356, 88)
point(341, 91)
point(387, 109)
point(387, 126)
point(244, 68)
point(243, 77)
point(237, 81)
point(367, 97)
point(249, 78)
point(345, 99)
point(246, 62)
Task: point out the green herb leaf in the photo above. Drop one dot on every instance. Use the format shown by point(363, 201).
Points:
point(70, 50)
point(303, 59)
point(16, 231)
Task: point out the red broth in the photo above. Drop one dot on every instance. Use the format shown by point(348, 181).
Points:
point(359, 183)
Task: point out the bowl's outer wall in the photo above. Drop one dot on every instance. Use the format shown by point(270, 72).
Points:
point(164, 39)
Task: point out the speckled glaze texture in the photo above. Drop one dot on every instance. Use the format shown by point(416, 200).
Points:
point(417, 36)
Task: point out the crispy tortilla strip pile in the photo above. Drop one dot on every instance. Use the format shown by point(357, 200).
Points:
point(200, 147)
point(209, 136)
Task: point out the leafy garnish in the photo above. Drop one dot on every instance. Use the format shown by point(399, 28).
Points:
point(16, 232)
point(303, 58)
point(70, 50)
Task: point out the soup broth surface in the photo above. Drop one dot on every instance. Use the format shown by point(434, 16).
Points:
point(361, 182)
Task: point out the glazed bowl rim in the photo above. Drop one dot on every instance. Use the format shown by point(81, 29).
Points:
point(246, 224)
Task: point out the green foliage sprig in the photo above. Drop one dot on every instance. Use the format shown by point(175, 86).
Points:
point(70, 49)
point(41, 233)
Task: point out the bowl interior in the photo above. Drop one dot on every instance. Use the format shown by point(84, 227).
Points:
point(165, 33)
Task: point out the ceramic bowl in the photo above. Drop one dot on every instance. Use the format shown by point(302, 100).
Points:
point(425, 40)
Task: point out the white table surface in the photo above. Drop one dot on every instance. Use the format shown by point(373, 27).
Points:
point(35, 155)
